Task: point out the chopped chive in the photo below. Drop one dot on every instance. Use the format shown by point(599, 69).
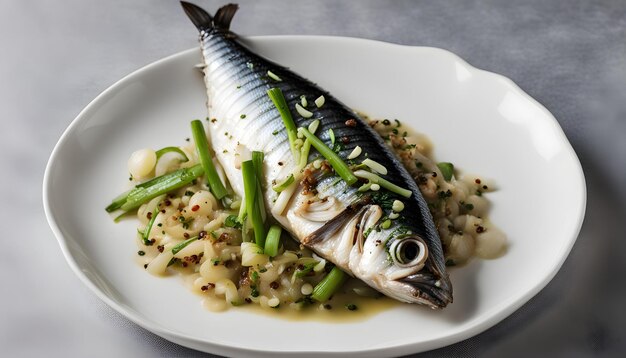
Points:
point(331, 134)
point(146, 232)
point(232, 221)
point(243, 116)
point(375, 179)
point(447, 170)
point(202, 146)
point(335, 161)
point(276, 95)
point(329, 285)
point(176, 249)
point(306, 269)
point(273, 240)
point(283, 184)
point(160, 152)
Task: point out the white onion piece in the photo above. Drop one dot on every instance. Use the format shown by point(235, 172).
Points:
point(141, 163)
point(159, 264)
point(355, 153)
point(377, 167)
point(303, 112)
point(319, 101)
point(491, 243)
point(227, 288)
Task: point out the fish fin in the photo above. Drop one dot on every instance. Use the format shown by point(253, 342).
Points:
point(200, 18)
point(336, 223)
point(204, 21)
point(224, 16)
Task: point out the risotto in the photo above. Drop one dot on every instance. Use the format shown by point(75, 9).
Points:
point(189, 232)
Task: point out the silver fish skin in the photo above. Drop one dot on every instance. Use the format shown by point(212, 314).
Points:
point(405, 260)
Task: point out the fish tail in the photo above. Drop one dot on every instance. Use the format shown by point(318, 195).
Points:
point(204, 21)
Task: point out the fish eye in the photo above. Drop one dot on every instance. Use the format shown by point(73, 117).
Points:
point(410, 251)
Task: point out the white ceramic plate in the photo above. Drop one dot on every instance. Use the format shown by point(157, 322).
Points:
point(476, 119)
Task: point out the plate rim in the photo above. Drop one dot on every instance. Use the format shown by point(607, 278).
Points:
point(406, 348)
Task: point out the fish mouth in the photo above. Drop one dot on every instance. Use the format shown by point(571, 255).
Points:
point(429, 287)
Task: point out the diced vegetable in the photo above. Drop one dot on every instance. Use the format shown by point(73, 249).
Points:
point(303, 112)
point(272, 241)
point(283, 184)
point(329, 285)
point(319, 101)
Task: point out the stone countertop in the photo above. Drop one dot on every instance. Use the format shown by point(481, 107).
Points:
point(58, 56)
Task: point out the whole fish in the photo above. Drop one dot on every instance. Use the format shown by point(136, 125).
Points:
point(385, 238)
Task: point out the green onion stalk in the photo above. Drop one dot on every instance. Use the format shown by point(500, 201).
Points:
point(250, 186)
point(272, 241)
point(152, 188)
point(329, 285)
point(277, 97)
point(202, 146)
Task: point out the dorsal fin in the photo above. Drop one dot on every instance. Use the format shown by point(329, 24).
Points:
point(204, 21)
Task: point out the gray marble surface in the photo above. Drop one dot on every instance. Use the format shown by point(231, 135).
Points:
point(56, 56)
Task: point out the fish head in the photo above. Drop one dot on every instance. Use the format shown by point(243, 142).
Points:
point(408, 272)
point(397, 261)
